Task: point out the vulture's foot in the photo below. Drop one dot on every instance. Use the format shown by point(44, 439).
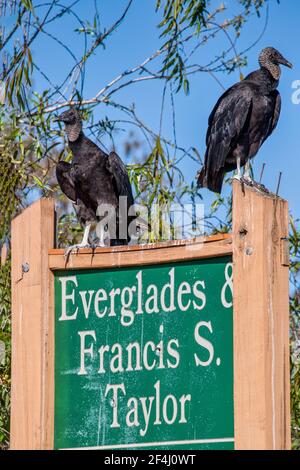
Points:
point(250, 182)
point(247, 180)
point(75, 249)
point(237, 177)
point(260, 187)
point(244, 180)
point(99, 245)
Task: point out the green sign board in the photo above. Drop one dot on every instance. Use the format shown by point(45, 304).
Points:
point(144, 357)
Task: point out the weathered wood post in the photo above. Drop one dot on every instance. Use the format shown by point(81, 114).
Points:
point(32, 328)
point(261, 320)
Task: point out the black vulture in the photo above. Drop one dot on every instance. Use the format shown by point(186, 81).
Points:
point(243, 118)
point(94, 180)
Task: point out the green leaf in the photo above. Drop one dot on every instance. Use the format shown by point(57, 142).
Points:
point(186, 86)
point(27, 4)
point(38, 181)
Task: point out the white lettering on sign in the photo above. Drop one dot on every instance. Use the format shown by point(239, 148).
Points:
point(204, 343)
point(227, 286)
point(142, 410)
point(151, 301)
point(169, 287)
point(132, 357)
point(114, 402)
point(200, 295)
point(84, 350)
point(86, 303)
point(65, 297)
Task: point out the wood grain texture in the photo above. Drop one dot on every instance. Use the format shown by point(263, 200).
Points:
point(180, 250)
point(261, 321)
point(32, 328)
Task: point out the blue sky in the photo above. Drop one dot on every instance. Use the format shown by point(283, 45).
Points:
point(138, 37)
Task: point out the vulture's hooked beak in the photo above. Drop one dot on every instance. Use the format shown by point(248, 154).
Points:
point(285, 62)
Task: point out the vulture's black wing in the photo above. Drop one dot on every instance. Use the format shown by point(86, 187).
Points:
point(225, 125)
point(65, 180)
point(275, 117)
point(120, 177)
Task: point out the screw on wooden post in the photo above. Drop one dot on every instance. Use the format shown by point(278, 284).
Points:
point(25, 267)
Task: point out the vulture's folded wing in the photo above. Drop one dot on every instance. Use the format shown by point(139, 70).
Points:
point(65, 180)
point(120, 177)
point(225, 125)
point(275, 117)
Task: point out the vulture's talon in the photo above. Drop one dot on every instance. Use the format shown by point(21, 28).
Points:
point(102, 245)
point(237, 177)
point(94, 246)
point(248, 181)
point(74, 249)
point(261, 187)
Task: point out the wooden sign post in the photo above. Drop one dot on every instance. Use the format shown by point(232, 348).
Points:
point(261, 320)
point(177, 345)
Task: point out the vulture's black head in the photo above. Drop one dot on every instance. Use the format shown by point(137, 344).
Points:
point(73, 123)
point(271, 59)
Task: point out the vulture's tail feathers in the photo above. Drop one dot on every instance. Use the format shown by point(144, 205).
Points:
point(212, 182)
point(202, 179)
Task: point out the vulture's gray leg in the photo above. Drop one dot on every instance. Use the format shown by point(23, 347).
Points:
point(85, 240)
point(103, 235)
point(247, 173)
point(83, 244)
point(238, 176)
